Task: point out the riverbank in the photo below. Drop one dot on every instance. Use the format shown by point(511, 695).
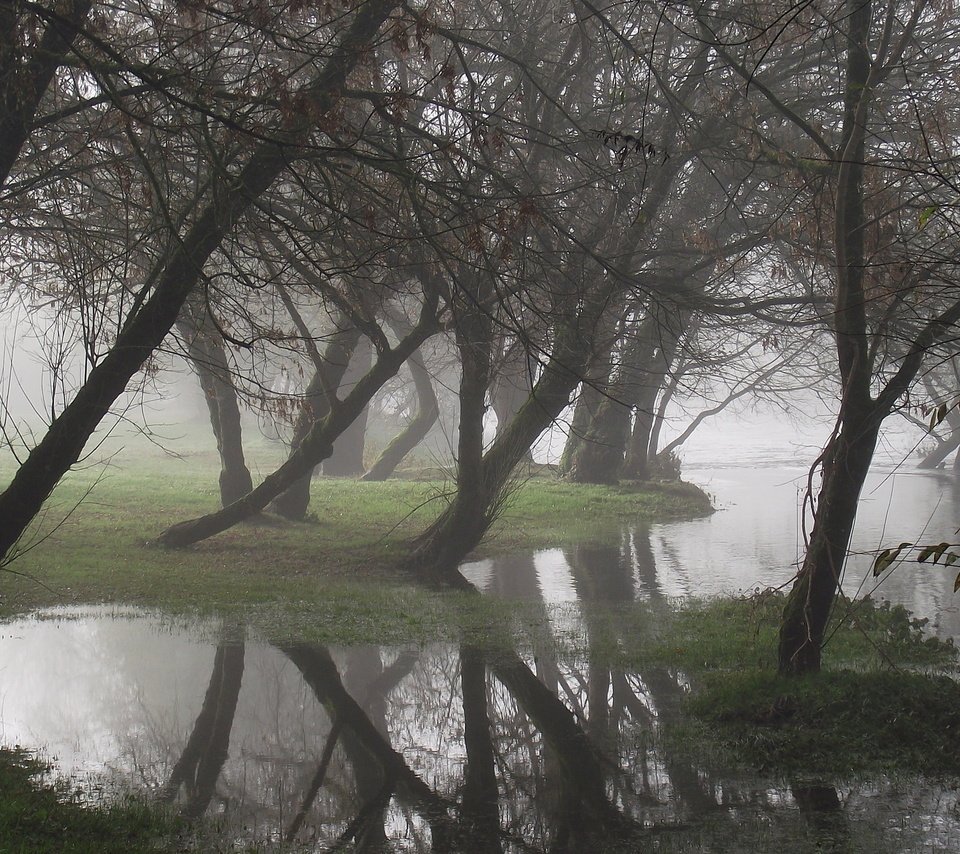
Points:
point(92, 545)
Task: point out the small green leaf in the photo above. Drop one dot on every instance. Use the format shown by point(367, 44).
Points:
point(925, 215)
point(887, 557)
point(936, 552)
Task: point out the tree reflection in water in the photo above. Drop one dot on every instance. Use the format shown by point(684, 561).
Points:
point(482, 748)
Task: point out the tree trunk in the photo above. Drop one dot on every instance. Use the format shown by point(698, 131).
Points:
point(807, 611)
point(328, 374)
point(511, 386)
point(460, 527)
point(467, 516)
point(315, 447)
point(208, 357)
point(645, 376)
point(847, 456)
point(588, 401)
point(599, 456)
point(232, 194)
point(347, 457)
point(428, 411)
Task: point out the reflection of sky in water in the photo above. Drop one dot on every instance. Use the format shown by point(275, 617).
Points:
point(119, 692)
point(755, 540)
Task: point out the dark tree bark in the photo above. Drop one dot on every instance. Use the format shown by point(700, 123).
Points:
point(848, 454)
point(847, 457)
point(845, 466)
point(208, 356)
point(599, 454)
point(588, 403)
point(647, 373)
point(207, 748)
point(460, 527)
point(428, 411)
point(347, 457)
point(231, 195)
point(511, 386)
point(316, 446)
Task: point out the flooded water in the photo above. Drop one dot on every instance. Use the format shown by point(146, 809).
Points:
point(462, 748)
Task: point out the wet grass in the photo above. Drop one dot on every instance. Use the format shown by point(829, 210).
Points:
point(332, 578)
point(39, 816)
point(886, 701)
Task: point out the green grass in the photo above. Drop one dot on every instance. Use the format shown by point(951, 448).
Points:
point(884, 702)
point(37, 816)
point(332, 578)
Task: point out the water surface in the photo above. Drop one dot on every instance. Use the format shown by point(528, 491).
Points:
point(454, 746)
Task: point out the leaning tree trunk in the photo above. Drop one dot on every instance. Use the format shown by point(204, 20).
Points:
point(208, 357)
point(328, 374)
point(428, 411)
point(347, 457)
point(467, 517)
point(846, 463)
point(231, 195)
point(847, 456)
point(316, 446)
point(461, 526)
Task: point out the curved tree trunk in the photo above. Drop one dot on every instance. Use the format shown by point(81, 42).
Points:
point(316, 446)
point(461, 526)
point(347, 457)
point(178, 274)
point(327, 377)
point(208, 357)
point(428, 411)
point(847, 461)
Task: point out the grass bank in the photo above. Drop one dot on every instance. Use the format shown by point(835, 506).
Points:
point(886, 702)
point(37, 815)
point(337, 568)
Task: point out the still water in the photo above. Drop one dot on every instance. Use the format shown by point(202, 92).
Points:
point(457, 747)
